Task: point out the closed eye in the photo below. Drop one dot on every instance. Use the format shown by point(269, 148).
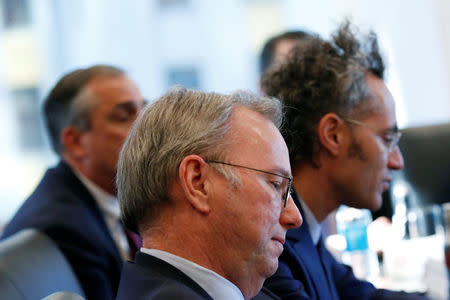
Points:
point(389, 138)
point(125, 112)
point(276, 185)
point(123, 115)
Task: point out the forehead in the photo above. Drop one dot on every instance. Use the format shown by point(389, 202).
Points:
point(283, 46)
point(255, 141)
point(383, 102)
point(282, 49)
point(111, 91)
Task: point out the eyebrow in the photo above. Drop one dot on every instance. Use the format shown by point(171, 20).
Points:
point(129, 104)
point(280, 171)
point(277, 171)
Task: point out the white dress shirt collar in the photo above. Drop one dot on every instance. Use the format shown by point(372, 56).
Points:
point(109, 206)
point(215, 285)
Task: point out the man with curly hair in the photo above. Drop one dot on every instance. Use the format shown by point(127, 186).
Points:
point(342, 135)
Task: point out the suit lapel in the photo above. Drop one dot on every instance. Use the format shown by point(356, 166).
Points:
point(85, 196)
point(309, 259)
point(326, 264)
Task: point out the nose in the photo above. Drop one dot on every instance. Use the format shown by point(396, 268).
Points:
point(290, 216)
point(395, 159)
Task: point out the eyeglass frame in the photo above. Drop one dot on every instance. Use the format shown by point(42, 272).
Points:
point(285, 196)
point(396, 134)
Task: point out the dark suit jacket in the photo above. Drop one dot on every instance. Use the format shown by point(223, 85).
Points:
point(151, 278)
point(63, 208)
point(309, 272)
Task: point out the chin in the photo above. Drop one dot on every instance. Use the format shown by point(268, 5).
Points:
point(272, 267)
point(375, 203)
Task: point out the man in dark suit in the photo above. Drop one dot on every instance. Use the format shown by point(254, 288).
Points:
point(205, 179)
point(342, 136)
point(88, 115)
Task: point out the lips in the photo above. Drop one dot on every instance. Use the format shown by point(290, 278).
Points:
point(386, 183)
point(279, 239)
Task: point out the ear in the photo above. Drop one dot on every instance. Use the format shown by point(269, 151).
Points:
point(331, 133)
point(193, 175)
point(71, 138)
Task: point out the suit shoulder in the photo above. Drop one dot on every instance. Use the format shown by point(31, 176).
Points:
point(159, 288)
point(58, 201)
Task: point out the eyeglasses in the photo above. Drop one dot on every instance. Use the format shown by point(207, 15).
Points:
point(287, 190)
point(391, 139)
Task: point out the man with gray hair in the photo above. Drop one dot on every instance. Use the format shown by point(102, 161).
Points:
point(205, 178)
point(88, 115)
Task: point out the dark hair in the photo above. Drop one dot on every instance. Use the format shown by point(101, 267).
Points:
point(321, 77)
point(268, 52)
point(62, 108)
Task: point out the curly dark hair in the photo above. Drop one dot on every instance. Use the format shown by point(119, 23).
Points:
point(320, 77)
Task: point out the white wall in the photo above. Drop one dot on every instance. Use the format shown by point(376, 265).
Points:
point(222, 40)
point(414, 37)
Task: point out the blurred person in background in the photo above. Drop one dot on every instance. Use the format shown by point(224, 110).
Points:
point(205, 179)
point(88, 115)
point(276, 48)
point(342, 136)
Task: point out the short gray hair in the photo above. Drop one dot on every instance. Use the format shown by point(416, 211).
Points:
point(180, 123)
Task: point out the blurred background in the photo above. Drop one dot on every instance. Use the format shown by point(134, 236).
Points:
point(203, 44)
